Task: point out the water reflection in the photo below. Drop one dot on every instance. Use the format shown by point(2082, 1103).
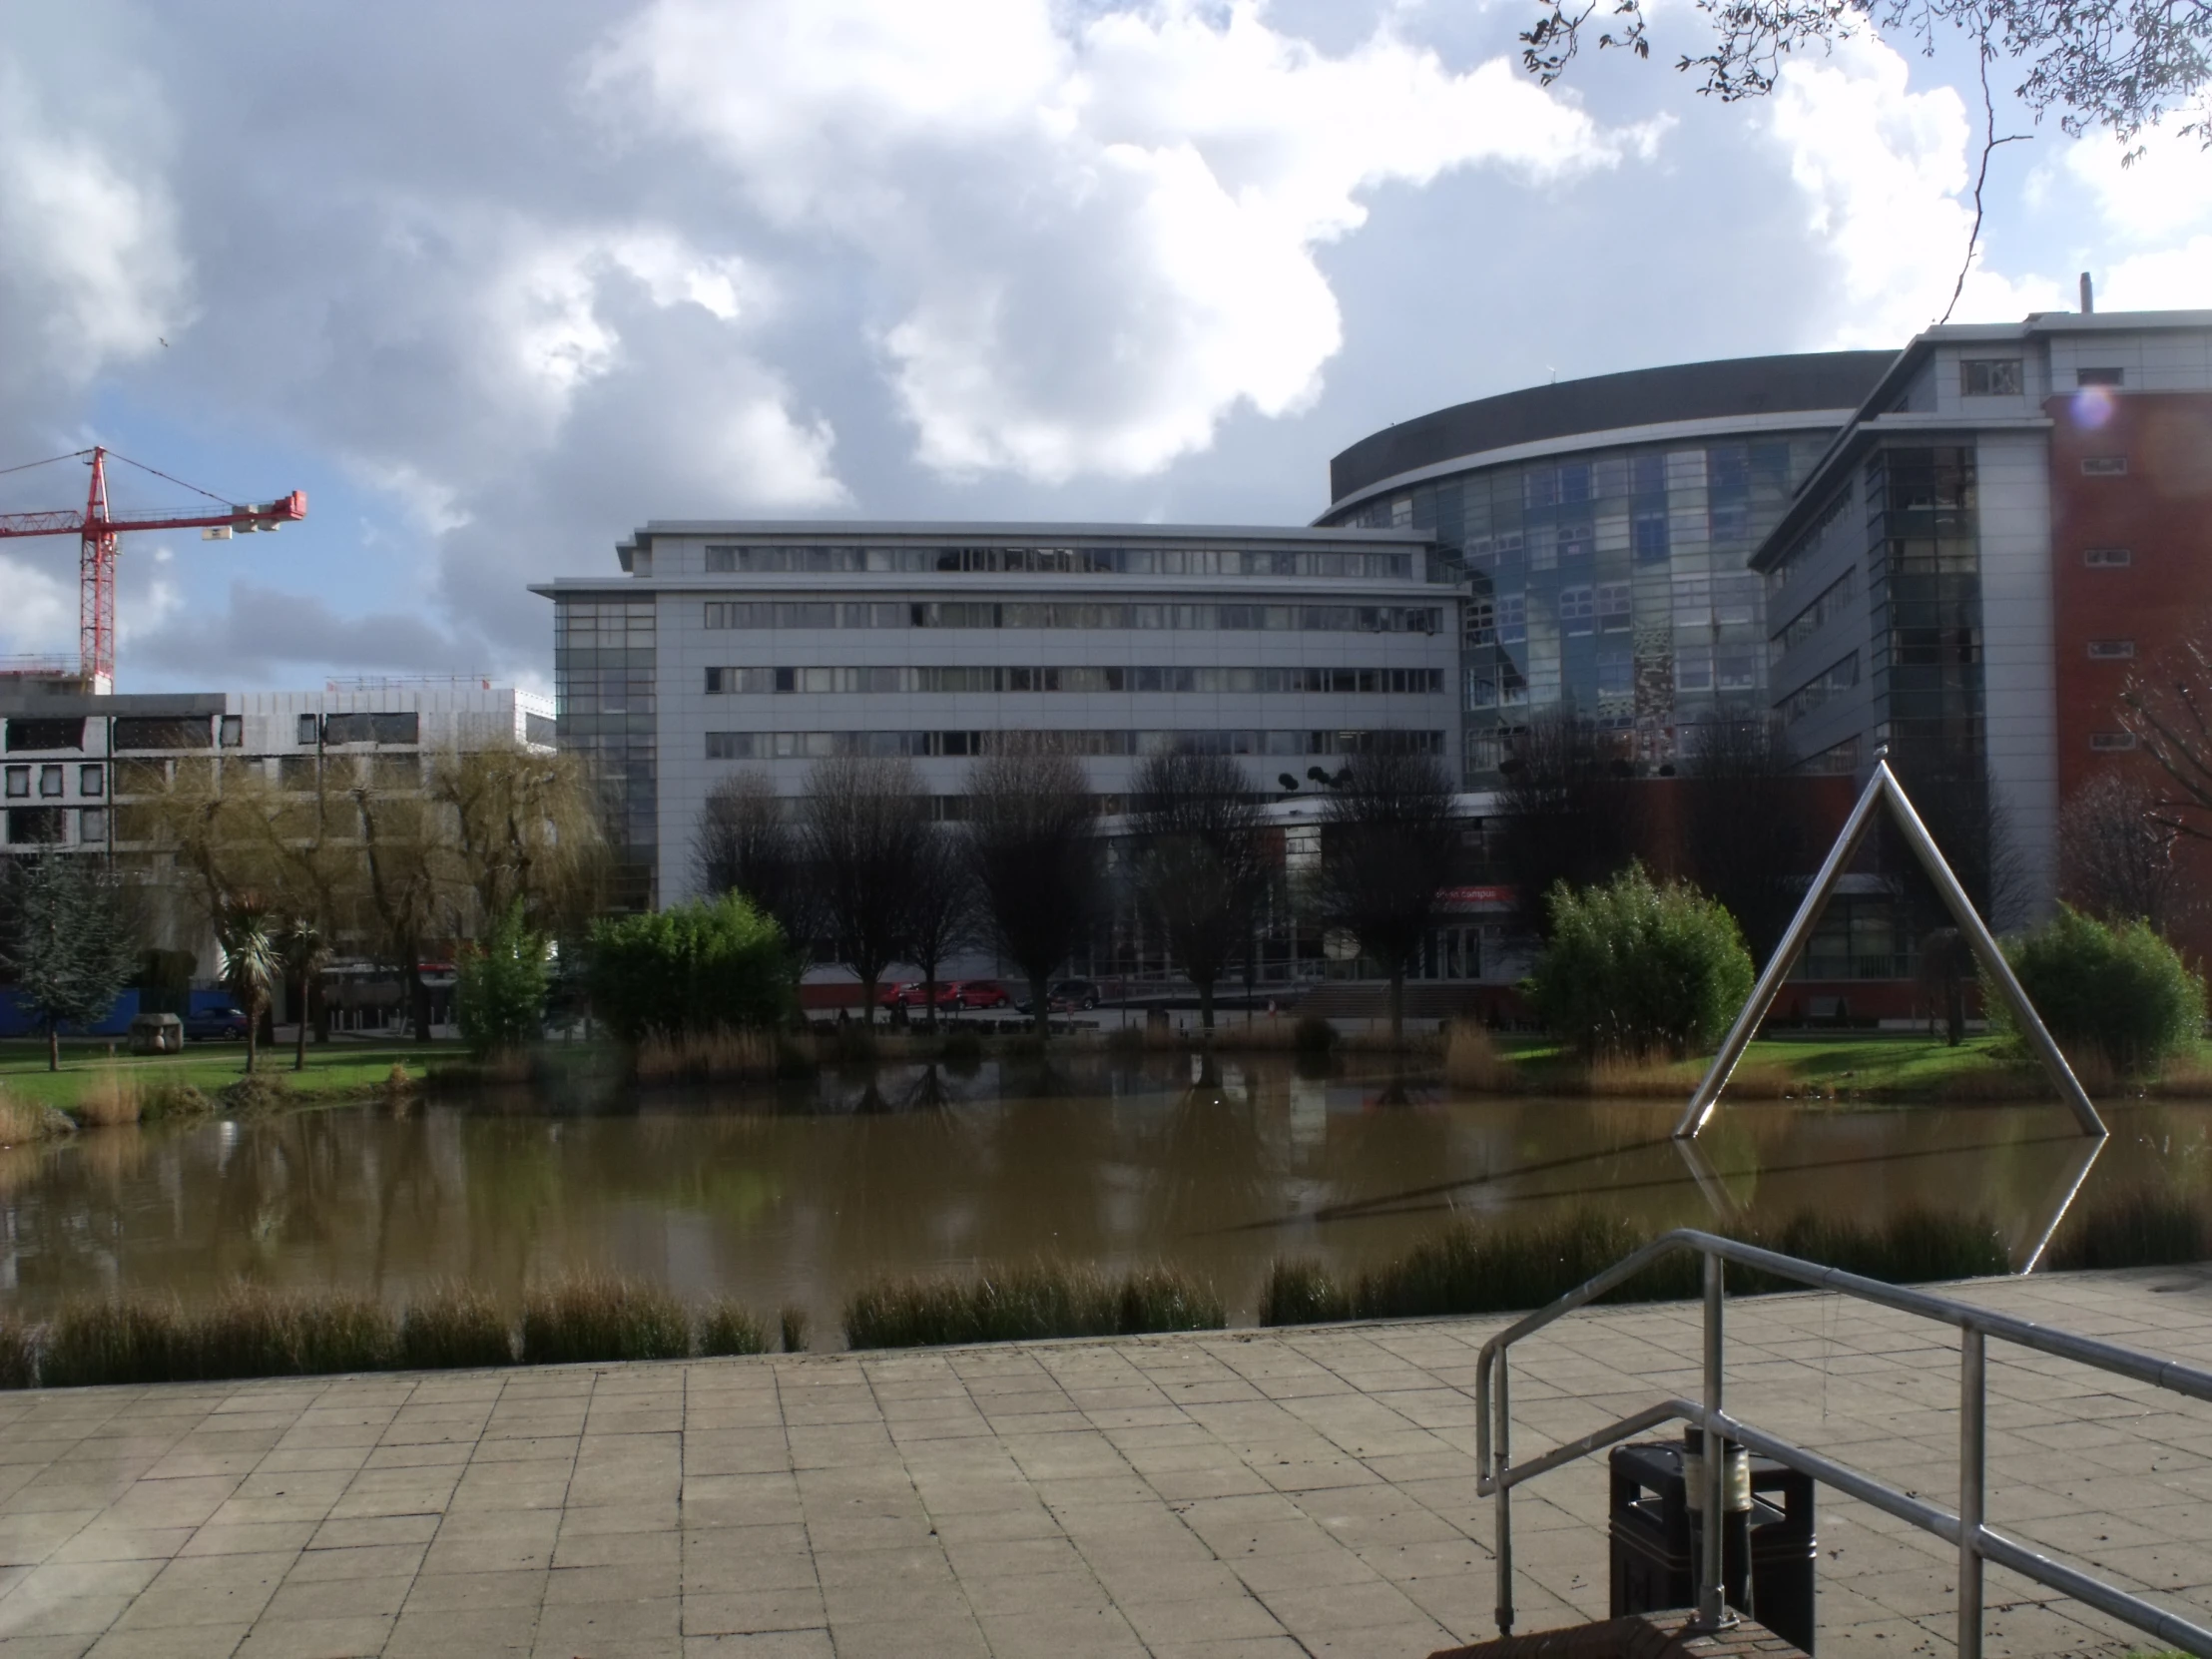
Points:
point(798, 1194)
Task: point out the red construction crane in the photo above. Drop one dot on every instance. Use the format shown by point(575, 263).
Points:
point(98, 527)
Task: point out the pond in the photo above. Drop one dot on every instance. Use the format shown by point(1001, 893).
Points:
point(799, 1195)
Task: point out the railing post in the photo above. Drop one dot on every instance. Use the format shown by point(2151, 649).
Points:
point(1712, 1589)
point(1503, 1461)
point(1973, 1443)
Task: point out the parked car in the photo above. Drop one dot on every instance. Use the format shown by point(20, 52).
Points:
point(974, 993)
point(1072, 996)
point(221, 1024)
point(902, 993)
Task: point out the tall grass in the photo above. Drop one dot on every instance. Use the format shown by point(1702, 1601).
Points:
point(792, 1327)
point(114, 1339)
point(600, 1316)
point(1471, 1061)
point(454, 1328)
point(697, 1056)
point(22, 1121)
point(1471, 1268)
point(726, 1327)
point(2151, 1226)
point(1026, 1304)
point(109, 1099)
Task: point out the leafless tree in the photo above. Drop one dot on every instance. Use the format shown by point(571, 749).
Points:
point(747, 842)
point(1968, 823)
point(2167, 707)
point(2117, 852)
point(1033, 848)
point(942, 916)
point(1568, 813)
point(1746, 821)
point(1200, 864)
point(1388, 844)
point(863, 823)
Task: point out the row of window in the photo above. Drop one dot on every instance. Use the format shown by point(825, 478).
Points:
point(809, 746)
point(53, 781)
point(1059, 561)
point(403, 727)
point(132, 732)
point(893, 679)
point(49, 826)
point(1833, 601)
point(1606, 608)
point(1504, 686)
point(1722, 468)
point(1349, 619)
point(2002, 377)
point(1832, 681)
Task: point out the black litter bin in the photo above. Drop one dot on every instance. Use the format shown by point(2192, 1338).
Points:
point(1766, 1549)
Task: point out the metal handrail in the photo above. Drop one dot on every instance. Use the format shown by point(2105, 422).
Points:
point(1497, 1475)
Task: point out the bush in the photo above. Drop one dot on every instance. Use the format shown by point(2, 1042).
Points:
point(792, 1324)
point(2143, 1229)
point(499, 988)
point(454, 1328)
point(691, 967)
point(596, 1316)
point(116, 1340)
point(2121, 991)
point(1313, 1035)
point(726, 1327)
point(1632, 968)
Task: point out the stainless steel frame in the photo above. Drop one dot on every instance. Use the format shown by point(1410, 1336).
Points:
point(1498, 1474)
point(1883, 786)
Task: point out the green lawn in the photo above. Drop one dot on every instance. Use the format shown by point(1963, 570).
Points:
point(338, 1068)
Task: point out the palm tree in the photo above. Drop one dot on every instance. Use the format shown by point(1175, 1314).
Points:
point(303, 949)
point(249, 963)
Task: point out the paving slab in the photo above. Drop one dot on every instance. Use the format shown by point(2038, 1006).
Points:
point(1253, 1493)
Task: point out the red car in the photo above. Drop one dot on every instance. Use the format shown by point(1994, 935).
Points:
point(974, 993)
point(902, 993)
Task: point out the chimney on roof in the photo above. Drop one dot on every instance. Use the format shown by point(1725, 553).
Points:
point(2089, 295)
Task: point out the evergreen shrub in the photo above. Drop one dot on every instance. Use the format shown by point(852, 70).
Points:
point(2118, 990)
point(1633, 967)
point(691, 967)
point(500, 986)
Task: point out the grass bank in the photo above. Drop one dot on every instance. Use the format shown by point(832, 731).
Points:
point(253, 1332)
point(96, 1087)
point(1876, 1067)
point(1030, 1303)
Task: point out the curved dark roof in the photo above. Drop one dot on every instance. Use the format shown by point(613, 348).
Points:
point(1638, 397)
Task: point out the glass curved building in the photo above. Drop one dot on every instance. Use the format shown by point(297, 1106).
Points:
point(1602, 529)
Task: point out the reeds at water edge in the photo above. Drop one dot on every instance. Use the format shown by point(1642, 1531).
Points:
point(1030, 1303)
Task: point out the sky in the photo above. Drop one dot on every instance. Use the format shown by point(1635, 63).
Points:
point(496, 282)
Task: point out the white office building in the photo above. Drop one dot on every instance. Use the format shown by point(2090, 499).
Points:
point(734, 644)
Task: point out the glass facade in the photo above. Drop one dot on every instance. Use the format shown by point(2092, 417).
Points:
point(1923, 590)
point(604, 663)
point(1610, 586)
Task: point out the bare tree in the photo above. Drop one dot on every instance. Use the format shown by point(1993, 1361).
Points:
point(1747, 830)
point(2167, 709)
point(1388, 844)
point(1201, 863)
point(1033, 848)
point(1568, 813)
point(2117, 852)
point(864, 822)
point(941, 910)
point(747, 842)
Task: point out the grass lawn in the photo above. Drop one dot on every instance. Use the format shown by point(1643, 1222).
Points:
point(338, 1068)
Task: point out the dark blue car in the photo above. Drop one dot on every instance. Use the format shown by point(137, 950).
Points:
point(220, 1024)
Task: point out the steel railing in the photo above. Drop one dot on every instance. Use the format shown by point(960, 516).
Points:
point(1966, 1528)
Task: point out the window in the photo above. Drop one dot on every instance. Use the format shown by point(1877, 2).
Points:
point(1693, 602)
point(46, 734)
point(92, 782)
point(1693, 671)
point(309, 727)
point(2111, 651)
point(1482, 689)
point(162, 732)
point(50, 785)
point(231, 734)
point(1989, 376)
point(2104, 466)
point(2100, 377)
point(92, 825)
point(1833, 601)
point(1735, 671)
point(1612, 607)
point(2109, 743)
point(1576, 610)
point(1481, 621)
point(1512, 618)
point(19, 783)
point(728, 746)
point(2108, 558)
point(1648, 535)
point(1735, 599)
point(36, 825)
point(1616, 677)
point(1838, 677)
point(721, 561)
point(295, 771)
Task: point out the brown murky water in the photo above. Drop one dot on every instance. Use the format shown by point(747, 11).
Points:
point(798, 1197)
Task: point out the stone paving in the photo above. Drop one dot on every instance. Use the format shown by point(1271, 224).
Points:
point(1235, 1496)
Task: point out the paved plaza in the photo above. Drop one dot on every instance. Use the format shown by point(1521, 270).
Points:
point(1250, 1493)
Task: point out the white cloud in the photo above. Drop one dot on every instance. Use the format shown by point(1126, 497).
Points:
point(1885, 169)
point(91, 270)
point(2165, 191)
point(1098, 231)
point(2164, 280)
point(41, 610)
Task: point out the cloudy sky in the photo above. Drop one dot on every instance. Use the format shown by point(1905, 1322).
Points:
point(494, 282)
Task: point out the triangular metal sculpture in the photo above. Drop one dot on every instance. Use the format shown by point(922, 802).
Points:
point(1882, 788)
